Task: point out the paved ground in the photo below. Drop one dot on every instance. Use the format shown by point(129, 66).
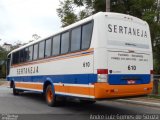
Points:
point(35, 105)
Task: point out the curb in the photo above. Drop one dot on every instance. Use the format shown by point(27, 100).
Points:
point(151, 104)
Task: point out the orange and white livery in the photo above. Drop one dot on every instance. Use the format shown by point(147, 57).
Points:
point(107, 55)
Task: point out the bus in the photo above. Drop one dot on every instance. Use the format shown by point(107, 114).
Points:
point(107, 55)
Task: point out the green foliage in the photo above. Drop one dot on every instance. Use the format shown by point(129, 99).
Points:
point(120, 6)
point(143, 9)
point(3, 57)
point(3, 75)
point(66, 13)
point(83, 14)
point(3, 54)
point(147, 10)
point(99, 6)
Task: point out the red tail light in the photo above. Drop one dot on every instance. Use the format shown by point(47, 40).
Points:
point(102, 75)
point(152, 72)
point(102, 71)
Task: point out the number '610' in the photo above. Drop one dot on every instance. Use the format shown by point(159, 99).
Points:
point(131, 67)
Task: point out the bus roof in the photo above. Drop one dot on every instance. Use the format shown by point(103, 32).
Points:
point(99, 14)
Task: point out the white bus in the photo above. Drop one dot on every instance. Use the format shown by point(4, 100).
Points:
point(107, 55)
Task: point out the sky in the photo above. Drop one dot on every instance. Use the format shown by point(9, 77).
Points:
point(20, 19)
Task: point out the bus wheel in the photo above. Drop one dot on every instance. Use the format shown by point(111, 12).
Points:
point(15, 91)
point(50, 96)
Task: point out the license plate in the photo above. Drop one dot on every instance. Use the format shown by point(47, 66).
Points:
point(131, 81)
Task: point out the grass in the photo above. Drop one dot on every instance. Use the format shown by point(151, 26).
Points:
point(154, 96)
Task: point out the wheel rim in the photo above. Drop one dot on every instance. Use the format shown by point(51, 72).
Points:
point(49, 95)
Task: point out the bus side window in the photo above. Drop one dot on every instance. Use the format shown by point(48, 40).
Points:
point(30, 53)
point(15, 57)
point(76, 39)
point(35, 53)
point(41, 49)
point(22, 55)
point(65, 43)
point(26, 54)
point(56, 45)
point(86, 35)
point(48, 48)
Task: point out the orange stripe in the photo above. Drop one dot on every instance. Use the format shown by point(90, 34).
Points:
point(104, 90)
point(55, 58)
point(30, 86)
point(100, 90)
point(75, 90)
point(59, 88)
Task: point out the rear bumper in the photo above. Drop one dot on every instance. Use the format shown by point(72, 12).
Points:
point(103, 90)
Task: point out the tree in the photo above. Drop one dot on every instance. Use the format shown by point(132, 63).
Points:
point(148, 10)
point(66, 13)
point(3, 57)
point(16, 44)
point(36, 36)
point(143, 9)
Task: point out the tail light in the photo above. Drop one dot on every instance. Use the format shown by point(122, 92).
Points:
point(151, 73)
point(102, 75)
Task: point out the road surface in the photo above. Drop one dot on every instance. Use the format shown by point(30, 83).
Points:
point(33, 106)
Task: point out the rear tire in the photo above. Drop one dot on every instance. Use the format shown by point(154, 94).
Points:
point(50, 96)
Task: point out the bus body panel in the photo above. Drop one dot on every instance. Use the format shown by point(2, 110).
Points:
point(123, 47)
point(103, 90)
point(125, 67)
point(70, 75)
point(113, 48)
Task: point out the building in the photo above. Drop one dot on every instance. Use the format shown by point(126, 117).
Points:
point(7, 46)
